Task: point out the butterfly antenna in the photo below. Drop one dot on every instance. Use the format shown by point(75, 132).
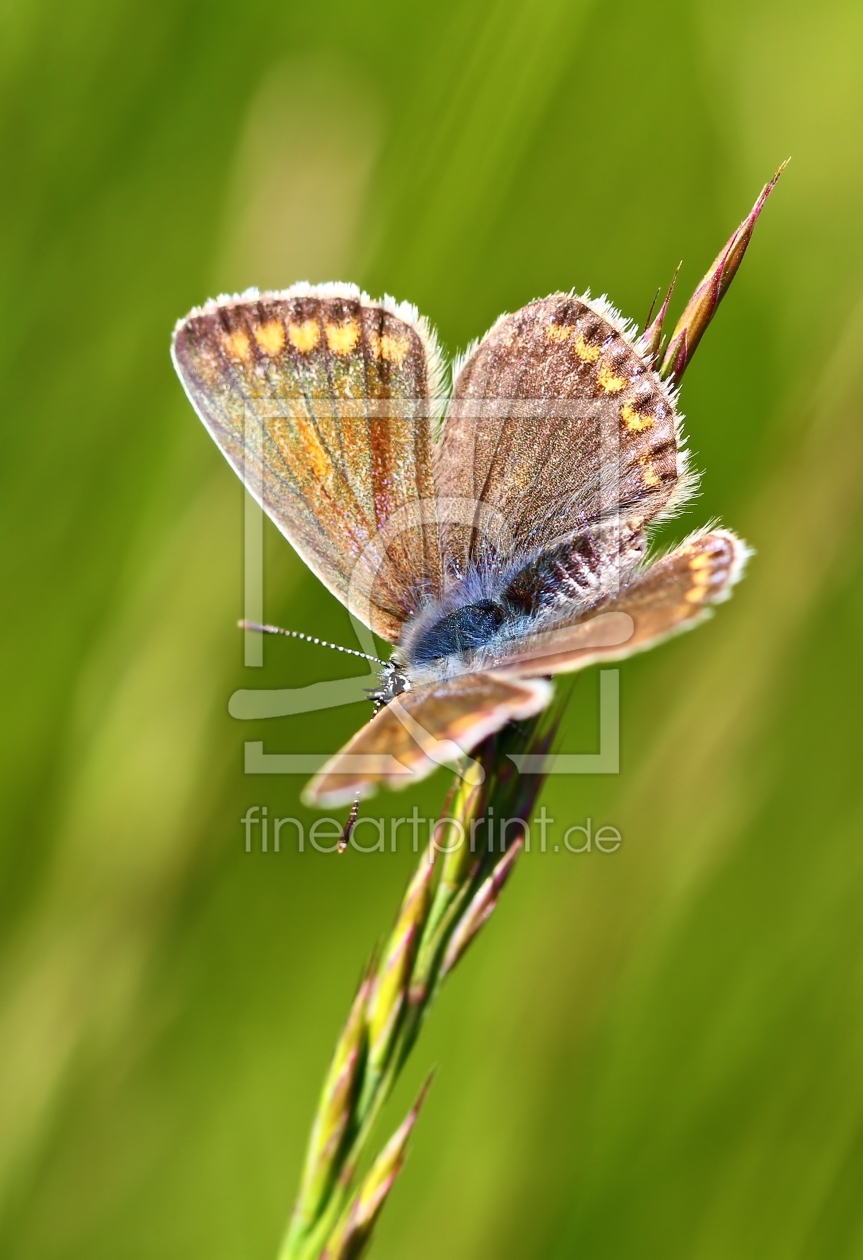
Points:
point(309, 638)
point(345, 837)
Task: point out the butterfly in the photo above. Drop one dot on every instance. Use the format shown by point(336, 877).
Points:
point(496, 535)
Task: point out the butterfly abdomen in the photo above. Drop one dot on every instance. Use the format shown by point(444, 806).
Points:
point(568, 571)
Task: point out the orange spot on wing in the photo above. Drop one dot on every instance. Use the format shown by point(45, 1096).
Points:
point(341, 338)
point(271, 337)
point(701, 567)
point(649, 474)
point(557, 332)
point(237, 345)
point(587, 354)
point(634, 421)
point(608, 381)
point(394, 349)
point(388, 346)
point(305, 336)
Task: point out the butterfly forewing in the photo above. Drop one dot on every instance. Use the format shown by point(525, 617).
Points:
point(321, 400)
point(557, 421)
point(423, 729)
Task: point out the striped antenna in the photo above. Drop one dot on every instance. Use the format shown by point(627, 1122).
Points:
point(308, 638)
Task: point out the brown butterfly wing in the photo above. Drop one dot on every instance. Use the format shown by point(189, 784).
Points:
point(423, 729)
point(672, 594)
point(320, 399)
point(556, 420)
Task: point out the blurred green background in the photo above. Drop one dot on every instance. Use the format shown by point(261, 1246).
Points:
point(656, 1052)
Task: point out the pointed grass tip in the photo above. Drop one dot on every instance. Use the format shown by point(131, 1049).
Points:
point(703, 304)
point(650, 341)
point(354, 1230)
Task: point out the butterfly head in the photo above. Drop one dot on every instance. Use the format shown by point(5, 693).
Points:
point(394, 681)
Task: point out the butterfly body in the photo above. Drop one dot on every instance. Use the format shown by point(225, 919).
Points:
point(491, 608)
point(495, 537)
point(466, 629)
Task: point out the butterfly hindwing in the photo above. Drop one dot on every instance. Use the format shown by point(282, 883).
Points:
point(321, 399)
point(672, 594)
